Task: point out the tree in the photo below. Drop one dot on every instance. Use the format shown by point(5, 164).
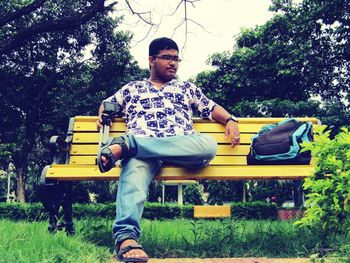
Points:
point(320, 30)
point(58, 17)
point(46, 79)
point(296, 64)
point(300, 54)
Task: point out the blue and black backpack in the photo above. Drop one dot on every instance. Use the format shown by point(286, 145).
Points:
point(280, 143)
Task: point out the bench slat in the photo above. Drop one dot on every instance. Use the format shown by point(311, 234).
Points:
point(243, 172)
point(218, 160)
point(90, 137)
point(200, 127)
point(262, 120)
point(91, 149)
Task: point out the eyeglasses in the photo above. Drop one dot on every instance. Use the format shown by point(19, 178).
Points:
point(169, 58)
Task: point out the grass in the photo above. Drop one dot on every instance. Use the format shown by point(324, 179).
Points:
point(215, 238)
point(227, 239)
point(31, 242)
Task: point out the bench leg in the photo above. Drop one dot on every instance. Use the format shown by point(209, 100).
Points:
point(68, 208)
point(54, 194)
point(298, 193)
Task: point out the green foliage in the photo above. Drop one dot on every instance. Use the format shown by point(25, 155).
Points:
point(263, 189)
point(53, 77)
point(277, 69)
point(5, 151)
point(254, 210)
point(159, 211)
point(17, 211)
point(226, 238)
point(223, 191)
point(192, 195)
point(216, 193)
point(328, 189)
point(28, 242)
point(36, 212)
point(276, 108)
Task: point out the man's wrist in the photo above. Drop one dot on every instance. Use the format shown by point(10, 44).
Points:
point(232, 118)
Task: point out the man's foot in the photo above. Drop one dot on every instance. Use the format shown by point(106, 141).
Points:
point(131, 251)
point(115, 149)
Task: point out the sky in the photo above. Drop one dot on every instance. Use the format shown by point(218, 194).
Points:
point(213, 27)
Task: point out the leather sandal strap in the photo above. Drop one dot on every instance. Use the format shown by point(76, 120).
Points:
point(126, 249)
point(122, 142)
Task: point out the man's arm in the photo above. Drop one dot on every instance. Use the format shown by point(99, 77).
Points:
point(231, 127)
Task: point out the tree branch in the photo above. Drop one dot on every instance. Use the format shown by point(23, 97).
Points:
point(141, 15)
point(21, 12)
point(75, 20)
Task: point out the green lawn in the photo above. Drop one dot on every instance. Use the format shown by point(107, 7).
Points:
point(31, 242)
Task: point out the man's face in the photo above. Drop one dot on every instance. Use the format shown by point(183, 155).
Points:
point(164, 66)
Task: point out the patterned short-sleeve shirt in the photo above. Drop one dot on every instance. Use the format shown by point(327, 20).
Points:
point(168, 111)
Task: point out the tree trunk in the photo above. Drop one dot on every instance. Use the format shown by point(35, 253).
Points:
point(241, 191)
point(21, 175)
point(21, 155)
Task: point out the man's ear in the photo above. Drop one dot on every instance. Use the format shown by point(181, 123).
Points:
point(151, 60)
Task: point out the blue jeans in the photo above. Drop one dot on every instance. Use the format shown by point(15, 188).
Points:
point(147, 157)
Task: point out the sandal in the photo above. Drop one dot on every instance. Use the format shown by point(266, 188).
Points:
point(126, 249)
point(106, 152)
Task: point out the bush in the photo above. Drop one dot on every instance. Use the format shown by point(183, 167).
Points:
point(36, 212)
point(18, 211)
point(159, 211)
point(192, 195)
point(328, 188)
point(254, 210)
point(94, 210)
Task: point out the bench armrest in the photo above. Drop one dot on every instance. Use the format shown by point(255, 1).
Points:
point(60, 144)
point(59, 147)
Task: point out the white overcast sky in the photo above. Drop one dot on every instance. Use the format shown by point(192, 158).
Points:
point(222, 20)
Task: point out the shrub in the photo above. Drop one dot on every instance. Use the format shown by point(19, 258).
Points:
point(329, 187)
point(254, 210)
point(18, 211)
point(36, 212)
point(192, 195)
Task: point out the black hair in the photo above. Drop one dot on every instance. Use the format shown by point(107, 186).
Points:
point(160, 44)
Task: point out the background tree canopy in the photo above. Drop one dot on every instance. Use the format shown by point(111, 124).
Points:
point(290, 66)
point(61, 58)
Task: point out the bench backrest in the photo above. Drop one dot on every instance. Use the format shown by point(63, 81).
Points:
point(85, 138)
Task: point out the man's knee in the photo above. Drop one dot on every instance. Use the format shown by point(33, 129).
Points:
point(211, 146)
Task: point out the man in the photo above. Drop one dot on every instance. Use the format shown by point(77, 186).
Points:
point(158, 115)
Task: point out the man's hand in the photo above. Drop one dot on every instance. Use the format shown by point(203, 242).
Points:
point(232, 133)
point(99, 122)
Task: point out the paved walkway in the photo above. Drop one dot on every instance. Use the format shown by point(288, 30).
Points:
point(226, 260)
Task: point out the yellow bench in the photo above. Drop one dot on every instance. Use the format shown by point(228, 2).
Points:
point(81, 144)
point(211, 211)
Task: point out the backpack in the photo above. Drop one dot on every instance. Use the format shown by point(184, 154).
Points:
point(279, 143)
